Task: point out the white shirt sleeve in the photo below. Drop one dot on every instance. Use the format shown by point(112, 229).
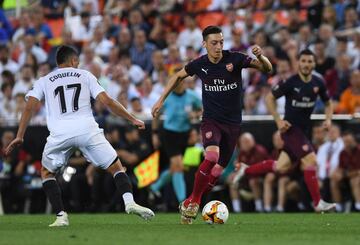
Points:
point(37, 91)
point(94, 86)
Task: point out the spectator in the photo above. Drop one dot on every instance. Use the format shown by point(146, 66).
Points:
point(324, 63)
point(131, 152)
point(100, 44)
point(26, 82)
point(148, 95)
point(349, 169)
point(135, 72)
point(24, 25)
point(5, 28)
point(191, 35)
point(6, 63)
point(158, 62)
point(318, 136)
point(66, 39)
point(350, 98)
point(88, 57)
point(272, 179)
point(30, 47)
point(251, 152)
point(141, 51)
point(7, 106)
point(326, 34)
point(39, 27)
point(342, 75)
point(137, 22)
point(138, 110)
point(124, 39)
point(328, 157)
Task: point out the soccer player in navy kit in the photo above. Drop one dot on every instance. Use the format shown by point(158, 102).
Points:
point(220, 73)
point(301, 92)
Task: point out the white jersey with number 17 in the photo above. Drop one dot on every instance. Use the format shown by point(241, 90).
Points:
point(67, 93)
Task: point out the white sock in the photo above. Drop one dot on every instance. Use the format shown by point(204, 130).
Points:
point(128, 198)
point(357, 206)
point(236, 204)
point(258, 205)
point(339, 207)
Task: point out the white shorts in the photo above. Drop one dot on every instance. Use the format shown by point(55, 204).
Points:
point(95, 148)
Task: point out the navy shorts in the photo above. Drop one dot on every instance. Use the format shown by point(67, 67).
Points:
point(222, 135)
point(175, 143)
point(296, 144)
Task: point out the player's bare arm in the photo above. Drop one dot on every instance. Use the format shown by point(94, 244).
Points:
point(31, 104)
point(119, 110)
point(328, 114)
point(282, 125)
point(174, 81)
point(261, 62)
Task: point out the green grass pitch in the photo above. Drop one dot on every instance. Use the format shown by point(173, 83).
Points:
point(165, 229)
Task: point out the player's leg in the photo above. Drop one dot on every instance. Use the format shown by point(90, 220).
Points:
point(335, 182)
point(178, 180)
point(202, 175)
point(355, 188)
point(255, 187)
point(269, 182)
point(99, 152)
point(281, 165)
point(309, 167)
point(56, 153)
point(282, 183)
point(234, 194)
point(190, 207)
point(164, 178)
point(53, 193)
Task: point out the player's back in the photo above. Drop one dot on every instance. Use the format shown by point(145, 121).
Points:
point(67, 93)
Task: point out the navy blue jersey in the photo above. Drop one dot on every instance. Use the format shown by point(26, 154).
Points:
point(221, 85)
point(300, 98)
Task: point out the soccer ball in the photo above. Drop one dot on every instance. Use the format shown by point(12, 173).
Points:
point(215, 212)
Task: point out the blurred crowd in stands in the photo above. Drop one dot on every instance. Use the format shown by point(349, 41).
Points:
point(133, 46)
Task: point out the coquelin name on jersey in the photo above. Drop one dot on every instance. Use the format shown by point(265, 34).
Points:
point(65, 74)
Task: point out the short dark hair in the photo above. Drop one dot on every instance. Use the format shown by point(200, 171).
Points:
point(306, 52)
point(63, 54)
point(210, 30)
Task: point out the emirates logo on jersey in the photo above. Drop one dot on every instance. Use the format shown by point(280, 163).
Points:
point(316, 90)
point(208, 135)
point(230, 67)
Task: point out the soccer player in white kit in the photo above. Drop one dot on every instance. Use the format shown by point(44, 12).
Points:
point(67, 93)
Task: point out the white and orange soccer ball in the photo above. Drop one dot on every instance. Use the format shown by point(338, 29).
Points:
point(215, 212)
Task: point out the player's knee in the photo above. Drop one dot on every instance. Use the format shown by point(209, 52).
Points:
point(212, 156)
point(217, 170)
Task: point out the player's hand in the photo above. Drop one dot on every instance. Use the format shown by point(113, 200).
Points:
point(283, 125)
point(13, 144)
point(326, 124)
point(257, 51)
point(139, 124)
point(156, 108)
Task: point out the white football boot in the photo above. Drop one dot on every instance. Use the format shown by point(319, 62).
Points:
point(325, 207)
point(61, 220)
point(145, 213)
